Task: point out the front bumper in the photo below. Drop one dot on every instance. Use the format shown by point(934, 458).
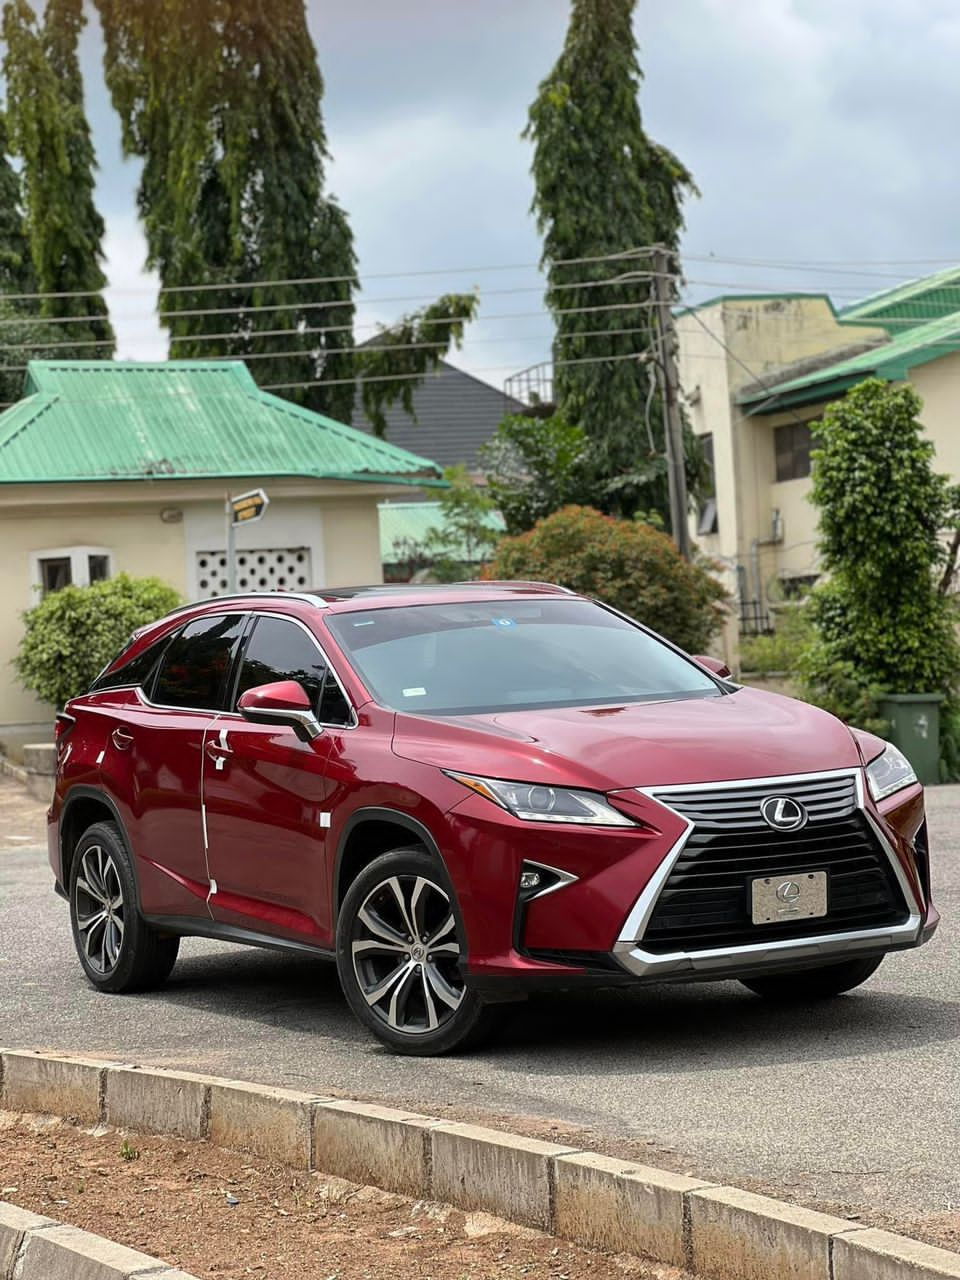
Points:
point(569, 938)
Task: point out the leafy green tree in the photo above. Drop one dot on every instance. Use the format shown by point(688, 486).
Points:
point(882, 622)
point(390, 365)
point(16, 268)
point(602, 186)
point(22, 338)
point(468, 531)
point(536, 465)
point(222, 102)
point(72, 634)
point(626, 563)
point(49, 131)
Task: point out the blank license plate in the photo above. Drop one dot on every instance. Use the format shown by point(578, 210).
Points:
point(780, 899)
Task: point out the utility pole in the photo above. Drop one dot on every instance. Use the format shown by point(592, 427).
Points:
point(663, 262)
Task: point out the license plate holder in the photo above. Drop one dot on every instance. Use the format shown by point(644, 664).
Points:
point(782, 899)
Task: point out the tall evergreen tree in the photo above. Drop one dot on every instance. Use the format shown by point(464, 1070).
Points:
point(602, 187)
point(222, 101)
point(16, 269)
point(49, 131)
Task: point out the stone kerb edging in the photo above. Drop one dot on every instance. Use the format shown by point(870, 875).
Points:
point(36, 1248)
point(720, 1232)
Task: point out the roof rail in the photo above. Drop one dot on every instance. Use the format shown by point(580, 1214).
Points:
point(247, 595)
point(515, 582)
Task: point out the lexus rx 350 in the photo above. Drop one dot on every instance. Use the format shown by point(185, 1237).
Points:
point(465, 794)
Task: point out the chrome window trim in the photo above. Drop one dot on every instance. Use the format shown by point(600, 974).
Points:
point(630, 953)
point(236, 715)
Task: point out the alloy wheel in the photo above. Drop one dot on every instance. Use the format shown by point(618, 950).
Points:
point(404, 950)
point(99, 909)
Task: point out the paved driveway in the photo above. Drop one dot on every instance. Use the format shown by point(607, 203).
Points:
point(856, 1102)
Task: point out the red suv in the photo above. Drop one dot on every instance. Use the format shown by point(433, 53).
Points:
point(467, 793)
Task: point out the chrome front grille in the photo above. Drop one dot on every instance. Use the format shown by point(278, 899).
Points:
point(736, 806)
point(705, 902)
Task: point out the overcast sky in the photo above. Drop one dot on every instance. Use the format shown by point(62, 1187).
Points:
point(817, 132)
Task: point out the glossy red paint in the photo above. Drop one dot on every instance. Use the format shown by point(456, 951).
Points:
point(248, 826)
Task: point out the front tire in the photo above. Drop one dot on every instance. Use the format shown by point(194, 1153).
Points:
point(814, 984)
point(118, 950)
point(399, 943)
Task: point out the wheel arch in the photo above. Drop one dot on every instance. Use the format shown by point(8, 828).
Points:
point(83, 807)
point(367, 834)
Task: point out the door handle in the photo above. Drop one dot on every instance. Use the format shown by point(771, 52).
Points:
point(219, 750)
point(122, 738)
point(218, 755)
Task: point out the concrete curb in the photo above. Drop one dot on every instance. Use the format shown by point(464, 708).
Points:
point(36, 1248)
point(722, 1233)
point(10, 770)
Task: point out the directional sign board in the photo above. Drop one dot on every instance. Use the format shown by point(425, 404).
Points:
point(246, 508)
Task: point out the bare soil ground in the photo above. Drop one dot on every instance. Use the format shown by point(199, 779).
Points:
point(22, 819)
point(232, 1216)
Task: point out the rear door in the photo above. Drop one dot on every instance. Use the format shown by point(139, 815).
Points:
point(154, 758)
point(266, 795)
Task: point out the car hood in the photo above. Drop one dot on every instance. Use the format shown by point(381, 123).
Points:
point(745, 734)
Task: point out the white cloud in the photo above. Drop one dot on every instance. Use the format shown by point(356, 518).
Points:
point(132, 291)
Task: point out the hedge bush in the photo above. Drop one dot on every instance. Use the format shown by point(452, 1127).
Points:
point(628, 564)
point(72, 634)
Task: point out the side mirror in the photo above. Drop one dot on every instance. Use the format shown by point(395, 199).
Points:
point(716, 665)
point(284, 702)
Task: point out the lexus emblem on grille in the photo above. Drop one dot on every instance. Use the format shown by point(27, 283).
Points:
point(789, 891)
point(783, 814)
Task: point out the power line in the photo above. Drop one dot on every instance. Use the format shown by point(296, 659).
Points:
point(400, 346)
point(403, 377)
point(355, 277)
point(334, 382)
point(242, 311)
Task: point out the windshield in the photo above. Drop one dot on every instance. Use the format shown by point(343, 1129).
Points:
point(511, 655)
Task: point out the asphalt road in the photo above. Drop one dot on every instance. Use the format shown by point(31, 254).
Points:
point(856, 1102)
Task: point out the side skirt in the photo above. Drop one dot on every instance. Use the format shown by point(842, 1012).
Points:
point(195, 927)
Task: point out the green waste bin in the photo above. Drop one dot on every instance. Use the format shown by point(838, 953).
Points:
point(915, 729)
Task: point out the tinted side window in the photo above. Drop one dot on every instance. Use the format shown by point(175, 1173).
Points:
point(197, 662)
point(280, 650)
point(135, 672)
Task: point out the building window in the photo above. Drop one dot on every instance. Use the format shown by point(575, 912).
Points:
point(69, 567)
point(707, 521)
point(792, 444)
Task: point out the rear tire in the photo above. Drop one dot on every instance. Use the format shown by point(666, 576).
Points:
point(118, 950)
point(399, 942)
point(814, 984)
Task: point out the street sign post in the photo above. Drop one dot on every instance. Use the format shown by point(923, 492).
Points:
point(242, 508)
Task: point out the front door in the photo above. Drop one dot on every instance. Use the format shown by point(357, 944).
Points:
point(266, 797)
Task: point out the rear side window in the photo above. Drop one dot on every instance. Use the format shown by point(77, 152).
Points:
point(196, 664)
point(280, 650)
point(135, 673)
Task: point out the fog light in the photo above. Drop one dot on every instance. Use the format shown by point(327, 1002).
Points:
point(529, 879)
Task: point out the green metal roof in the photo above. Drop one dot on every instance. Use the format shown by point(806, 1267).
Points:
point(891, 361)
point(101, 420)
point(908, 305)
point(402, 521)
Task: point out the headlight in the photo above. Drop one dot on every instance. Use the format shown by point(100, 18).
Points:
point(537, 803)
point(890, 772)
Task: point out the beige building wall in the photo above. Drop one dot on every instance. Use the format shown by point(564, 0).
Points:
point(938, 384)
point(724, 347)
point(351, 540)
point(139, 542)
point(338, 521)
